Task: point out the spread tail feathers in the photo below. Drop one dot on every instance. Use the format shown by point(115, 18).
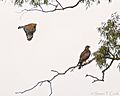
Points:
point(29, 36)
point(20, 27)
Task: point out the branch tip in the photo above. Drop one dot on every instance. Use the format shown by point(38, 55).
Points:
point(50, 80)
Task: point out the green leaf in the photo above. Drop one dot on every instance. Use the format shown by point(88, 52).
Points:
point(46, 2)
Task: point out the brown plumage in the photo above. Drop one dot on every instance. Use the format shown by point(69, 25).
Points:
point(84, 56)
point(29, 30)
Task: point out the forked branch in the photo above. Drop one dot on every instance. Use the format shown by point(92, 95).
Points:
point(103, 73)
point(57, 6)
point(50, 80)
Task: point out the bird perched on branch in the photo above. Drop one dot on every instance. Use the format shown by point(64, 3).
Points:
point(84, 56)
point(29, 30)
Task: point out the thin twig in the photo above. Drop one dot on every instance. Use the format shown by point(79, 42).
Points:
point(55, 7)
point(50, 89)
point(59, 3)
point(50, 80)
point(30, 88)
point(40, 7)
point(96, 78)
point(103, 73)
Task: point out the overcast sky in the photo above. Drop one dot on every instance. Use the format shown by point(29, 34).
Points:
point(59, 39)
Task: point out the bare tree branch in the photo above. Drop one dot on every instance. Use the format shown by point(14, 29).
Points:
point(50, 80)
point(59, 4)
point(103, 73)
point(55, 7)
point(70, 68)
point(117, 58)
point(88, 62)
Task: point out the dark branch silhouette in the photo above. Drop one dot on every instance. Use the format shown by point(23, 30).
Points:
point(70, 69)
point(103, 71)
point(50, 80)
point(56, 7)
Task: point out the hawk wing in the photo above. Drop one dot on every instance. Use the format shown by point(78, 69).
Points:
point(30, 28)
point(84, 56)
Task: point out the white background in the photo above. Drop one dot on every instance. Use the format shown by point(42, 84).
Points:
point(59, 39)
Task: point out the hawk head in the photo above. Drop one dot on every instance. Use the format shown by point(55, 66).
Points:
point(87, 47)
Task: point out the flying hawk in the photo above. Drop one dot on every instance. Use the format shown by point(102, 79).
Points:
point(84, 56)
point(29, 30)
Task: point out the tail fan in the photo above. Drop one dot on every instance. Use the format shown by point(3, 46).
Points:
point(29, 36)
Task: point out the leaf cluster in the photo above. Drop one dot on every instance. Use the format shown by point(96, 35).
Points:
point(31, 2)
point(100, 56)
point(38, 2)
point(110, 40)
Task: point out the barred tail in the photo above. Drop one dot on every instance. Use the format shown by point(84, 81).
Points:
point(20, 27)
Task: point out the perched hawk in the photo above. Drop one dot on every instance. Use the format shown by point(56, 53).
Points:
point(29, 30)
point(84, 56)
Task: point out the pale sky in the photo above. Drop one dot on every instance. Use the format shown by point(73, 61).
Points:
point(59, 39)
